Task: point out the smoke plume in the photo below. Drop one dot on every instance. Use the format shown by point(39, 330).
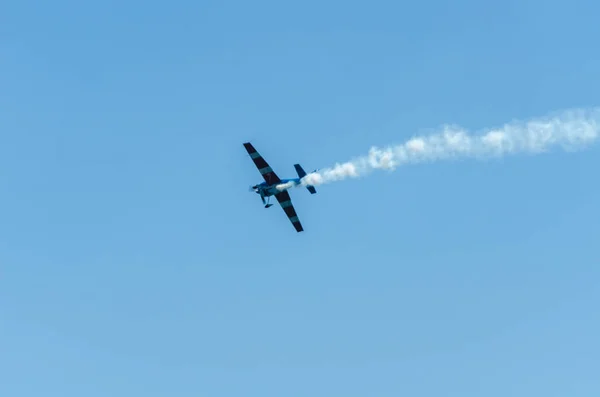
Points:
point(569, 130)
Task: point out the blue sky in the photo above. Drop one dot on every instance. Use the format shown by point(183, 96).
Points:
point(136, 262)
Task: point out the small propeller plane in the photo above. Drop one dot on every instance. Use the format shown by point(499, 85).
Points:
point(274, 186)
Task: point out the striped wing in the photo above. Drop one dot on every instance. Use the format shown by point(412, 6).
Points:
point(263, 167)
point(286, 203)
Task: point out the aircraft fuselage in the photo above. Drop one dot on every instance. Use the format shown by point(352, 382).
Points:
point(266, 190)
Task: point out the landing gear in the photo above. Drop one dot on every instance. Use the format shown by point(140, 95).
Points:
point(266, 203)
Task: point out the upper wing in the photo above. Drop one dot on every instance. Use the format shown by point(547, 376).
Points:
point(286, 203)
point(263, 167)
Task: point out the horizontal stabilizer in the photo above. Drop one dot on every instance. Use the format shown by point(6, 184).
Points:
point(300, 171)
point(301, 174)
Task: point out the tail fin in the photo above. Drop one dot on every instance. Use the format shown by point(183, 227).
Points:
point(301, 174)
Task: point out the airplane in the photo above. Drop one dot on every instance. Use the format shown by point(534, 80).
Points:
point(275, 186)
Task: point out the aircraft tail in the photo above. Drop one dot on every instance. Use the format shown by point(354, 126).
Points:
point(301, 174)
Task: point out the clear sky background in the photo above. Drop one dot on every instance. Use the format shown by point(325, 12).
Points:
point(134, 260)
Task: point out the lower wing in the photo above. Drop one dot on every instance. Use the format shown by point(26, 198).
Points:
point(286, 203)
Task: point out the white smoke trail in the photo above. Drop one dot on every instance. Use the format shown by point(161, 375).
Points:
point(569, 129)
point(284, 186)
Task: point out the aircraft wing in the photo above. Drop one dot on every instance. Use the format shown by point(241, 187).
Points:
point(286, 203)
point(263, 167)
